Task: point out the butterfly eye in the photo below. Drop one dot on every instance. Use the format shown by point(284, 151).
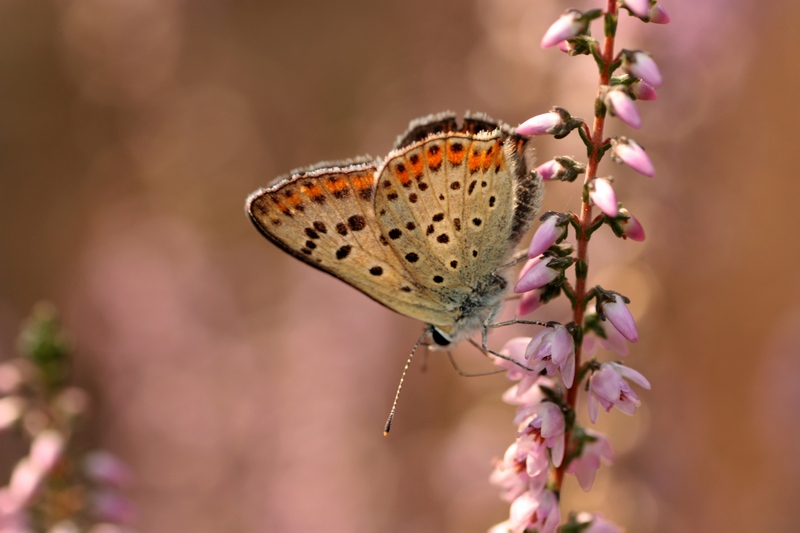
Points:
point(439, 338)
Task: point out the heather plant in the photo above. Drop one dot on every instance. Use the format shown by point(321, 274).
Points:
point(58, 487)
point(554, 366)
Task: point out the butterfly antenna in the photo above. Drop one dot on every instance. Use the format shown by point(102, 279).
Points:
point(388, 425)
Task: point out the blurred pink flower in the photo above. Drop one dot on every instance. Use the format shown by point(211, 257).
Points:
point(46, 450)
point(569, 25)
point(613, 342)
point(586, 465)
point(608, 388)
point(106, 468)
point(553, 349)
point(627, 151)
point(113, 507)
point(620, 317)
point(640, 8)
point(597, 524)
point(623, 108)
point(602, 194)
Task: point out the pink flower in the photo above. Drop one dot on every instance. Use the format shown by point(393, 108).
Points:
point(509, 475)
point(597, 524)
point(553, 349)
point(640, 8)
point(11, 409)
point(603, 195)
point(623, 108)
point(613, 341)
point(549, 170)
point(551, 231)
point(111, 506)
point(544, 422)
point(515, 349)
point(105, 468)
point(530, 302)
point(608, 388)
point(569, 25)
point(539, 512)
point(585, 467)
point(46, 449)
point(641, 65)
point(659, 15)
point(543, 124)
point(620, 317)
point(643, 91)
point(631, 228)
point(538, 275)
point(629, 152)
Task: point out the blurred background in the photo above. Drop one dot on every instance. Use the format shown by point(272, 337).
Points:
point(248, 392)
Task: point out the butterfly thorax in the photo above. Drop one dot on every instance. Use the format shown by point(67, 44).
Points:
point(474, 310)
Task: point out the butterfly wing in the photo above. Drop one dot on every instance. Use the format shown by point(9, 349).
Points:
point(324, 217)
point(455, 205)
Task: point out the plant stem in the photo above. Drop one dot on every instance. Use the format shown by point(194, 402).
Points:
point(585, 221)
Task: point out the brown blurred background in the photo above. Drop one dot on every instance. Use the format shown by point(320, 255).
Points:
point(248, 391)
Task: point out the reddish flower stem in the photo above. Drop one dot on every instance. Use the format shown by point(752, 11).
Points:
point(585, 221)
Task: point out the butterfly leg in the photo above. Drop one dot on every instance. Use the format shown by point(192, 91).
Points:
point(486, 350)
point(519, 257)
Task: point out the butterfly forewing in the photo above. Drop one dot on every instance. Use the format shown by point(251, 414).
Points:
point(323, 218)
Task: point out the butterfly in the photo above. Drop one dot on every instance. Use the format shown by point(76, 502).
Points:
point(424, 231)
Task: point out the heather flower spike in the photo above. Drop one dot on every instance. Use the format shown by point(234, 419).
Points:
point(622, 107)
point(641, 65)
point(550, 370)
point(627, 151)
point(602, 194)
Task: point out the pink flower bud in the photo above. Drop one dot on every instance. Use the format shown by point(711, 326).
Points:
point(105, 468)
point(107, 505)
point(603, 195)
point(642, 66)
point(631, 228)
point(563, 46)
point(530, 302)
point(597, 524)
point(643, 91)
point(548, 233)
point(550, 169)
point(46, 449)
point(540, 124)
point(621, 318)
point(629, 152)
point(592, 455)
point(640, 8)
point(659, 15)
point(539, 275)
point(623, 108)
point(11, 409)
point(569, 25)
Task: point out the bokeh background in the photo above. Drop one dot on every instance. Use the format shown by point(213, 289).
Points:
point(248, 391)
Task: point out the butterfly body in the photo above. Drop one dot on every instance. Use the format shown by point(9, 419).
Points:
point(424, 231)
